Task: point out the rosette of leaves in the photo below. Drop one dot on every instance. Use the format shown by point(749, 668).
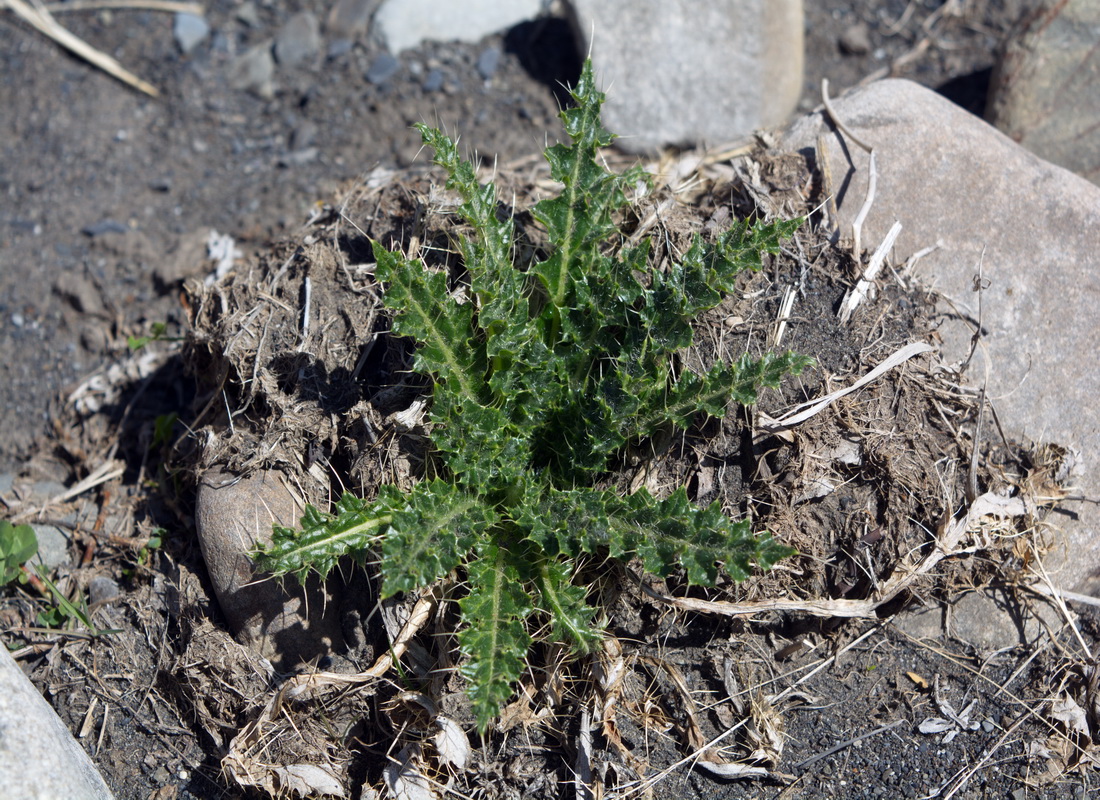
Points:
point(540, 377)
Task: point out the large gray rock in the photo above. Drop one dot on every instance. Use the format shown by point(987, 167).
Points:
point(1045, 92)
point(402, 24)
point(39, 758)
point(1035, 229)
point(280, 620)
point(683, 72)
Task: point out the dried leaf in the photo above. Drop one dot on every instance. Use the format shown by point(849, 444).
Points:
point(1070, 714)
point(451, 743)
point(935, 725)
point(405, 780)
point(918, 679)
point(1038, 750)
point(731, 770)
point(308, 780)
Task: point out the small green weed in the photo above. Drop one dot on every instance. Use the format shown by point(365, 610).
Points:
point(158, 332)
point(65, 611)
point(18, 544)
point(540, 379)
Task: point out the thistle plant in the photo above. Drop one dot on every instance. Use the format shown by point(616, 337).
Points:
point(541, 375)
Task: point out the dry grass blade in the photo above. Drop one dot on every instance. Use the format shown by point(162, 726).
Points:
point(863, 286)
point(804, 411)
point(42, 21)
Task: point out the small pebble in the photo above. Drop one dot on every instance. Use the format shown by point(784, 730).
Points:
point(254, 72)
point(299, 40)
point(382, 69)
point(338, 48)
point(102, 227)
point(189, 30)
point(102, 589)
point(488, 62)
point(53, 546)
point(856, 40)
point(434, 81)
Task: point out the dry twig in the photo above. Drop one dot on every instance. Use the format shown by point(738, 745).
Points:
point(42, 21)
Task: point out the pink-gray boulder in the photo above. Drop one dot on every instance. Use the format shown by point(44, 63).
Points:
point(1034, 228)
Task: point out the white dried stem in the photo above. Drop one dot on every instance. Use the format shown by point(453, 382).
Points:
point(866, 281)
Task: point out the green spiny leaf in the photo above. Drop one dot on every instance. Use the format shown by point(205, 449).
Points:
point(443, 328)
point(431, 534)
point(494, 639)
point(323, 539)
point(504, 312)
point(570, 616)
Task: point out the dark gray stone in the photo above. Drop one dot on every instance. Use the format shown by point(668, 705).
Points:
point(104, 227)
point(339, 47)
point(382, 69)
point(434, 81)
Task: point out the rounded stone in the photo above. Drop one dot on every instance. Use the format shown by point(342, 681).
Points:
point(283, 621)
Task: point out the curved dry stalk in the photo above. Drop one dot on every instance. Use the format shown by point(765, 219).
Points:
point(42, 21)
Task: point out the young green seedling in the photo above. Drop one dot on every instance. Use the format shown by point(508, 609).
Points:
point(540, 379)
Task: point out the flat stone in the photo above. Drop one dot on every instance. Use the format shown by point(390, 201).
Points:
point(53, 546)
point(403, 24)
point(1045, 89)
point(254, 71)
point(488, 62)
point(683, 72)
point(1034, 227)
point(280, 620)
point(382, 69)
point(989, 620)
point(189, 30)
point(299, 40)
point(39, 758)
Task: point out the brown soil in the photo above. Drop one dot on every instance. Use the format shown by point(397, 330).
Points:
point(864, 489)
